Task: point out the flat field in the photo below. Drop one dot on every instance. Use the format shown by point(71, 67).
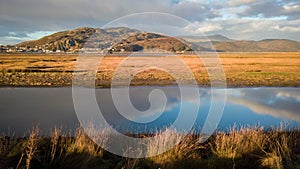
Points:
point(241, 69)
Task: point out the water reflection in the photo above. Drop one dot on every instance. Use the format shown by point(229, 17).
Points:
point(277, 102)
point(20, 108)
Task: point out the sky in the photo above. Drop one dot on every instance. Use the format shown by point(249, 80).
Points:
point(22, 20)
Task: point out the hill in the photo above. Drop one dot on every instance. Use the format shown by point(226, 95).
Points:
point(151, 41)
point(268, 45)
point(73, 40)
point(123, 39)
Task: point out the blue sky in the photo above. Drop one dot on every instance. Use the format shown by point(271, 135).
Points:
point(22, 20)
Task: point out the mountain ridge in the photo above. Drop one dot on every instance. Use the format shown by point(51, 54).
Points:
point(122, 39)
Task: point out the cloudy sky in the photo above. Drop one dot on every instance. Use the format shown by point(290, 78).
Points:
point(238, 19)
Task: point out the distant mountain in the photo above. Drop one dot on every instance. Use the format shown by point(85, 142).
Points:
point(123, 39)
point(268, 45)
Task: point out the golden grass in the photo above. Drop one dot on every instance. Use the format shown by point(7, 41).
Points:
point(238, 148)
point(84, 143)
point(273, 149)
point(237, 143)
point(280, 151)
point(185, 147)
point(30, 147)
point(55, 136)
point(241, 69)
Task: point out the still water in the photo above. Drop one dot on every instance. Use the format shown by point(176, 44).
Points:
point(22, 108)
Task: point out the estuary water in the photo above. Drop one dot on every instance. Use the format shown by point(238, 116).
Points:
point(23, 108)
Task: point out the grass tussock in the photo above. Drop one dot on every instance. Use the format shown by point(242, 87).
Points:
point(186, 147)
point(238, 148)
point(280, 151)
point(254, 147)
point(238, 143)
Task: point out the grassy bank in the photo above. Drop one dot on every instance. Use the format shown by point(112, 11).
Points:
point(241, 69)
point(243, 148)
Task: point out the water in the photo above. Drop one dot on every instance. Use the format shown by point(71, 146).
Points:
point(22, 108)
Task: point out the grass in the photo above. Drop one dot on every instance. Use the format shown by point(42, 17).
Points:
point(31, 146)
point(185, 148)
point(241, 69)
point(255, 148)
point(238, 148)
point(246, 141)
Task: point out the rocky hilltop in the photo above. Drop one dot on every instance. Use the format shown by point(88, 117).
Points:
point(73, 40)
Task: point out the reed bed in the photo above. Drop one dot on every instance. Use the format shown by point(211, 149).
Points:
point(250, 147)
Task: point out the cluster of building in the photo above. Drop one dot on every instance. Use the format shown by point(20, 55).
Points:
point(17, 49)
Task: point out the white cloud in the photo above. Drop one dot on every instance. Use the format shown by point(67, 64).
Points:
point(198, 28)
point(214, 16)
point(269, 8)
point(292, 8)
point(287, 28)
point(252, 29)
point(240, 2)
point(210, 28)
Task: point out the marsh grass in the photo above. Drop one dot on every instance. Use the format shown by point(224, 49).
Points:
point(280, 150)
point(55, 134)
point(241, 69)
point(238, 148)
point(32, 145)
point(27, 149)
point(90, 140)
point(238, 142)
point(186, 147)
point(249, 147)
